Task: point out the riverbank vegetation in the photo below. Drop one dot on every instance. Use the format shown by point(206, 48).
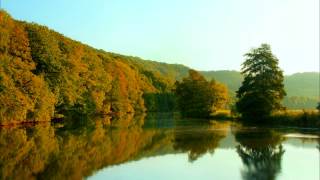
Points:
point(309, 118)
point(300, 118)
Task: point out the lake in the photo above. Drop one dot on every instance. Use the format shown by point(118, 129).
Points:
point(157, 146)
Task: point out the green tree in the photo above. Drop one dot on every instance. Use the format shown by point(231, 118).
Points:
point(196, 97)
point(262, 90)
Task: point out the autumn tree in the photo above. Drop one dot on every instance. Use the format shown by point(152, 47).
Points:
point(220, 95)
point(262, 90)
point(196, 97)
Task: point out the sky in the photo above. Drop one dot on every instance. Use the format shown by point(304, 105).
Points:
point(202, 34)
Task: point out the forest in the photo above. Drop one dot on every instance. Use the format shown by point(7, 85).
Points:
point(45, 75)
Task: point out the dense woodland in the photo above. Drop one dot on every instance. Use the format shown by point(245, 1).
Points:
point(45, 75)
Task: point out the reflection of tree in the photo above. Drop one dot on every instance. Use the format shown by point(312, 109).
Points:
point(81, 154)
point(159, 120)
point(25, 151)
point(128, 120)
point(261, 154)
point(197, 142)
point(71, 151)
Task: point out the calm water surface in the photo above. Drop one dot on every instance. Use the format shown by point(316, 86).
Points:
point(158, 147)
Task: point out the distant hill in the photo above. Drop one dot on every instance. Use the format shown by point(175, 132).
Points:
point(299, 84)
point(302, 88)
point(303, 84)
point(232, 79)
point(171, 71)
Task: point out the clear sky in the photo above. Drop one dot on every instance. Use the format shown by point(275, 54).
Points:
point(202, 34)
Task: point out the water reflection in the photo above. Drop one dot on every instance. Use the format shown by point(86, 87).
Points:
point(261, 153)
point(25, 151)
point(78, 150)
point(198, 141)
point(67, 152)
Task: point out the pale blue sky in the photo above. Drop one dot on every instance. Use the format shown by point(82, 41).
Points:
point(202, 34)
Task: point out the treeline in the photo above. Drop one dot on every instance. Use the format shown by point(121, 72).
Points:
point(302, 88)
point(44, 74)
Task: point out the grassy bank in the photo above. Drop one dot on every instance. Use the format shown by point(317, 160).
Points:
point(223, 115)
point(301, 118)
point(298, 118)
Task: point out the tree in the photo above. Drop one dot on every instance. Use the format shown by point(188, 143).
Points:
point(220, 95)
point(262, 90)
point(196, 97)
point(318, 107)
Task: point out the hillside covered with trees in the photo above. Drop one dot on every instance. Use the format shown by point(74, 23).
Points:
point(44, 75)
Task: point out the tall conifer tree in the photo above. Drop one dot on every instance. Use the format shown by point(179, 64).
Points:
point(262, 90)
